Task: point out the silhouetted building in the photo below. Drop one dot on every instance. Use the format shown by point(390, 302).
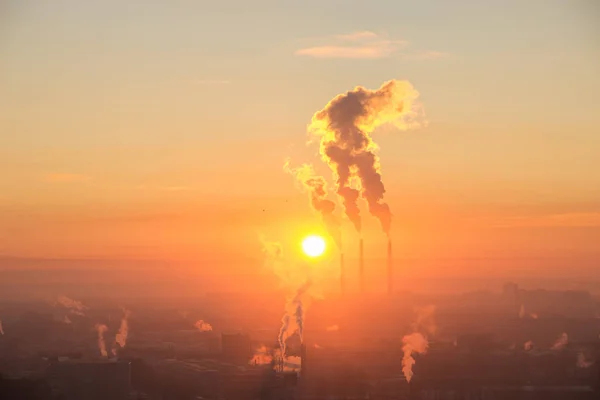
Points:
point(91, 380)
point(24, 389)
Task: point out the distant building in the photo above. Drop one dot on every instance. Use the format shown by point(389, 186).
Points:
point(91, 380)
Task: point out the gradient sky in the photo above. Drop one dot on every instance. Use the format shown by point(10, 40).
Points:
point(158, 129)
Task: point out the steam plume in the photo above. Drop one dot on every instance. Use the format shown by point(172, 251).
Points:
point(416, 342)
point(316, 187)
point(261, 356)
point(561, 342)
point(344, 126)
point(413, 343)
point(203, 326)
point(582, 362)
point(73, 306)
point(121, 337)
point(293, 320)
point(528, 346)
point(101, 329)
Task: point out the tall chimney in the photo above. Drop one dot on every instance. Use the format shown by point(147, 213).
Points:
point(361, 266)
point(303, 360)
point(390, 277)
point(342, 275)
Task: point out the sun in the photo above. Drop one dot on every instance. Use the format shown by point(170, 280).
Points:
point(313, 246)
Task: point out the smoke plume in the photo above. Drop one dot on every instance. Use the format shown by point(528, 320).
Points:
point(416, 342)
point(582, 362)
point(316, 187)
point(528, 346)
point(1, 329)
point(292, 321)
point(332, 328)
point(203, 326)
point(561, 342)
point(73, 306)
point(261, 356)
point(101, 329)
point(413, 343)
point(522, 311)
point(121, 337)
point(344, 127)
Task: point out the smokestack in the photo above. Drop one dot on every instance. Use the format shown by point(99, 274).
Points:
point(361, 266)
point(342, 275)
point(390, 271)
point(303, 360)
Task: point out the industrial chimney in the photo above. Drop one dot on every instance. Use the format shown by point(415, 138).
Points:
point(342, 275)
point(303, 360)
point(390, 277)
point(361, 266)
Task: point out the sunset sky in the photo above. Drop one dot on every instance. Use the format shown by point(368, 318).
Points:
point(159, 129)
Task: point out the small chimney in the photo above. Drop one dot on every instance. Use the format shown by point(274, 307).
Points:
point(342, 275)
point(302, 360)
point(361, 266)
point(390, 275)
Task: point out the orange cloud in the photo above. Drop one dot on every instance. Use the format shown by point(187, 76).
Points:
point(65, 178)
point(362, 44)
point(365, 45)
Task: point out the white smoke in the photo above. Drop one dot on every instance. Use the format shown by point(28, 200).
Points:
point(72, 306)
point(413, 343)
point(101, 329)
point(121, 337)
point(203, 326)
point(416, 342)
point(582, 362)
point(561, 342)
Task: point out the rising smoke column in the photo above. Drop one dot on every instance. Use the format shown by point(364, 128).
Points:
point(413, 343)
point(296, 281)
point(101, 329)
point(344, 126)
point(416, 342)
point(121, 337)
point(292, 321)
point(316, 186)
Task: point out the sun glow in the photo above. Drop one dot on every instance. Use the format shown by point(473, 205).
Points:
point(313, 246)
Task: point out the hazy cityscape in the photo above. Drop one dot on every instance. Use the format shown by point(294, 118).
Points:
point(513, 343)
point(299, 200)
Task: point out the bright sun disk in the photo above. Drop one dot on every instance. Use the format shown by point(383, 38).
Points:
point(313, 246)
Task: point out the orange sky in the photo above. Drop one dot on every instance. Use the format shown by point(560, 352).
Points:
point(166, 139)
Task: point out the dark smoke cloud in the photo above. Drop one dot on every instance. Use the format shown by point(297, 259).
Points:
point(344, 127)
